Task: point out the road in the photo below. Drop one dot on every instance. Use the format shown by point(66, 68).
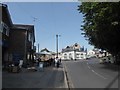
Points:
point(51, 77)
point(91, 74)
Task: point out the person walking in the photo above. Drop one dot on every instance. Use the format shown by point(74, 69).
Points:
point(40, 65)
point(57, 62)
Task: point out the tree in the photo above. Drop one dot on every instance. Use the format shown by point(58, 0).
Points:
point(102, 25)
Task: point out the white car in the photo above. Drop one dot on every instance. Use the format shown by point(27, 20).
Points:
point(104, 60)
point(108, 59)
point(111, 59)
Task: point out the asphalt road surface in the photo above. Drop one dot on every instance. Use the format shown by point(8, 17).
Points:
point(91, 74)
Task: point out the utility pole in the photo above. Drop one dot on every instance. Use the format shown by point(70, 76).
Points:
point(38, 48)
point(57, 44)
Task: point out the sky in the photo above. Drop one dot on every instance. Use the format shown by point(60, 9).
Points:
point(49, 19)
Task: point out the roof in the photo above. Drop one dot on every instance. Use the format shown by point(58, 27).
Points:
point(45, 49)
point(5, 14)
point(73, 47)
point(24, 26)
point(45, 52)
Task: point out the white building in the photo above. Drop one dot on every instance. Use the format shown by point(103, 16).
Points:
point(73, 52)
point(91, 53)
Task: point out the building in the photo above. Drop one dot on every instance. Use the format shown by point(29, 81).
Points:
point(91, 53)
point(73, 52)
point(59, 55)
point(16, 40)
point(22, 39)
point(5, 28)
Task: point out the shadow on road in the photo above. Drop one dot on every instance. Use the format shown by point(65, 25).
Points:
point(111, 67)
point(112, 82)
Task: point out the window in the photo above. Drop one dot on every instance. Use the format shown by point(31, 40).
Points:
point(70, 56)
point(82, 55)
point(65, 56)
point(77, 55)
point(5, 29)
point(76, 45)
point(29, 37)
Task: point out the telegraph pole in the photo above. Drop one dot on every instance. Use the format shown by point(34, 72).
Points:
point(38, 48)
point(57, 44)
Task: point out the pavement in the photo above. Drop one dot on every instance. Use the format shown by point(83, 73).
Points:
point(50, 77)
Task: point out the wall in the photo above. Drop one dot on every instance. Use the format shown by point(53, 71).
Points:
point(73, 55)
point(17, 43)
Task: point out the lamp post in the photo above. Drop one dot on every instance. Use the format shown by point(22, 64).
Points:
point(57, 43)
point(38, 47)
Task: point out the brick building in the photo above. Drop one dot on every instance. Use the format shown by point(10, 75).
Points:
point(16, 40)
point(5, 27)
point(22, 39)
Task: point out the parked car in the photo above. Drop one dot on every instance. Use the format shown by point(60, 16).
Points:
point(107, 59)
point(102, 60)
point(111, 59)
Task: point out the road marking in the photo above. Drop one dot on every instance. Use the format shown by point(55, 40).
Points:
point(68, 78)
point(99, 74)
point(96, 72)
point(89, 67)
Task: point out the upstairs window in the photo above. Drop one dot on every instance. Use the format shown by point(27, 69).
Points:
point(5, 29)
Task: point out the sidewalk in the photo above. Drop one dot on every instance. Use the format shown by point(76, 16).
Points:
point(50, 77)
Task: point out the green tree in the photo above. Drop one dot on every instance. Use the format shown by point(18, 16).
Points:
point(102, 25)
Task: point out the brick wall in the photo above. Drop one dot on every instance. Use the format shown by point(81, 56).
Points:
point(17, 42)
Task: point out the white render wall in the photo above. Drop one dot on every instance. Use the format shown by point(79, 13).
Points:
point(73, 55)
point(90, 53)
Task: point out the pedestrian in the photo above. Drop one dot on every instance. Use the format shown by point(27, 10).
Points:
point(56, 62)
point(60, 60)
point(40, 66)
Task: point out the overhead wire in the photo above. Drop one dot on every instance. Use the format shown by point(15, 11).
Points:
point(34, 18)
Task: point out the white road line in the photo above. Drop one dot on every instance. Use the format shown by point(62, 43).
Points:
point(99, 74)
point(96, 72)
point(89, 67)
point(93, 71)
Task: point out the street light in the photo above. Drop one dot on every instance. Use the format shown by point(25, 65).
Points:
point(57, 43)
point(38, 47)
